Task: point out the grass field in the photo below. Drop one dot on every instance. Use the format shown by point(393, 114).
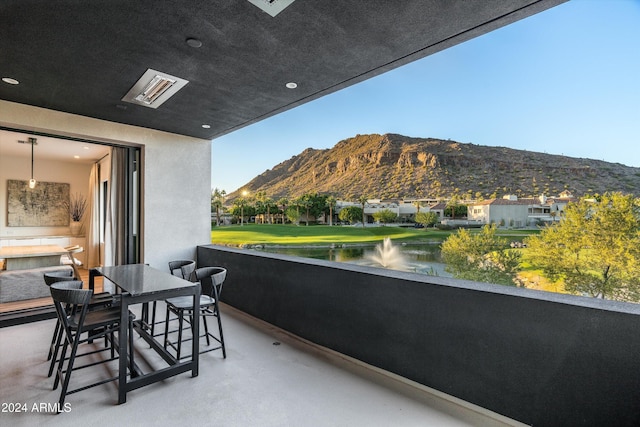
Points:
point(279, 234)
point(323, 235)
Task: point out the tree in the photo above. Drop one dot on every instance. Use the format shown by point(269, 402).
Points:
point(482, 257)
point(305, 202)
point(454, 208)
point(239, 206)
point(283, 203)
point(427, 218)
point(314, 204)
point(385, 216)
point(416, 203)
point(263, 205)
point(594, 247)
point(317, 205)
point(452, 203)
point(331, 203)
point(297, 203)
point(350, 214)
point(363, 201)
point(270, 204)
point(217, 202)
point(293, 214)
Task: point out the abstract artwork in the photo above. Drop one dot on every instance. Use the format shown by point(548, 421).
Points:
point(42, 206)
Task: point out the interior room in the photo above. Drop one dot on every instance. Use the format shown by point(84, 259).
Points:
point(55, 161)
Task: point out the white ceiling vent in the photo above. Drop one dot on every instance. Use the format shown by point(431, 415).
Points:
point(272, 7)
point(154, 88)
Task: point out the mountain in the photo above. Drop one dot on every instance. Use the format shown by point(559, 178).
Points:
point(394, 166)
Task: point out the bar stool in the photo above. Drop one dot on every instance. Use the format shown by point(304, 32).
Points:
point(182, 268)
point(211, 280)
point(73, 262)
point(72, 307)
point(100, 300)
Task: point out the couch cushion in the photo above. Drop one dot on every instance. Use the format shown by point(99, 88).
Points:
point(19, 285)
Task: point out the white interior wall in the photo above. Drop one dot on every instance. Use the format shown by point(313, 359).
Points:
point(175, 177)
point(77, 175)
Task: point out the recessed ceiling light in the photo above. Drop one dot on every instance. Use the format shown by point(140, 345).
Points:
point(10, 81)
point(85, 147)
point(206, 126)
point(292, 85)
point(194, 42)
point(76, 157)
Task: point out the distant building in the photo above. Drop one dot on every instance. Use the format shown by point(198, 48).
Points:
point(406, 211)
point(438, 208)
point(509, 210)
point(514, 212)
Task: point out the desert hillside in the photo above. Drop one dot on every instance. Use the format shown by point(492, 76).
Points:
point(395, 166)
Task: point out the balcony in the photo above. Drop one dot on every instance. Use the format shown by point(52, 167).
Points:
point(540, 358)
point(320, 343)
point(270, 378)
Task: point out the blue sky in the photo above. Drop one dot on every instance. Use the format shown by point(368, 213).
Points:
point(565, 81)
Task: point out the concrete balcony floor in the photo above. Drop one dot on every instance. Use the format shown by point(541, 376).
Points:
point(292, 383)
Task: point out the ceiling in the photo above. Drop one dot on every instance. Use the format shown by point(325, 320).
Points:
point(50, 148)
point(82, 57)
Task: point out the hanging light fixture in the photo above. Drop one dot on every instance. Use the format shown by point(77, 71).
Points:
point(32, 182)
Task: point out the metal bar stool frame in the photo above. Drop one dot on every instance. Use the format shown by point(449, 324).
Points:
point(211, 281)
point(182, 268)
point(72, 307)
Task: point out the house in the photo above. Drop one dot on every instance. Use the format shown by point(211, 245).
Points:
point(405, 211)
point(517, 212)
point(155, 82)
point(438, 208)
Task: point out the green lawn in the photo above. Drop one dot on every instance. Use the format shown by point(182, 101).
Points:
point(278, 234)
point(288, 234)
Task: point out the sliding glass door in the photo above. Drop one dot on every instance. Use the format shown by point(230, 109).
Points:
point(121, 207)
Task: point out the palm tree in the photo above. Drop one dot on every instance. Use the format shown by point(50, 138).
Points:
point(453, 204)
point(217, 202)
point(331, 202)
point(241, 202)
point(261, 197)
point(416, 203)
point(305, 201)
point(268, 202)
point(283, 202)
point(363, 201)
point(298, 202)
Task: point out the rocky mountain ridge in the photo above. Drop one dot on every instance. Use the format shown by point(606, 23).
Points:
point(394, 166)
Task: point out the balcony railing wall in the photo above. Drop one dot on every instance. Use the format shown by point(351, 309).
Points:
point(540, 358)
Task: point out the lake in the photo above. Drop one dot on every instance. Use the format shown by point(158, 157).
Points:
point(419, 258)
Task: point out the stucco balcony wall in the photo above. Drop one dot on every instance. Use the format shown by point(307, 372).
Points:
point(540, 358)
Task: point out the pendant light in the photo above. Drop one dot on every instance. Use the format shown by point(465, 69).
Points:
point(32, 182)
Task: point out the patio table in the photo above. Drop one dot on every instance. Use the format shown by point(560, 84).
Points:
point(139, 283)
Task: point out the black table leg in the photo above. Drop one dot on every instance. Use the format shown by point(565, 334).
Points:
point(123, 349)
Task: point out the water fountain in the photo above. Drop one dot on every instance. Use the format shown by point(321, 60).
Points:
point(417, 258)
point(388, 256)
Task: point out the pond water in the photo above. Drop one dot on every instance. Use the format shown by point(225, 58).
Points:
point(423, 258)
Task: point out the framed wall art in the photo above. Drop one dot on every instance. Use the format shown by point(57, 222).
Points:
point(42, 206)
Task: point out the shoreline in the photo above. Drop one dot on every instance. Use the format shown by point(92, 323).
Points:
point(323, 245)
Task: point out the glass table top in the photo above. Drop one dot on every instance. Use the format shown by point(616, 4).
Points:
point(141, 279)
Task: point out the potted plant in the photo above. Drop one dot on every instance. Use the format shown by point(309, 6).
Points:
point(77, 205)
